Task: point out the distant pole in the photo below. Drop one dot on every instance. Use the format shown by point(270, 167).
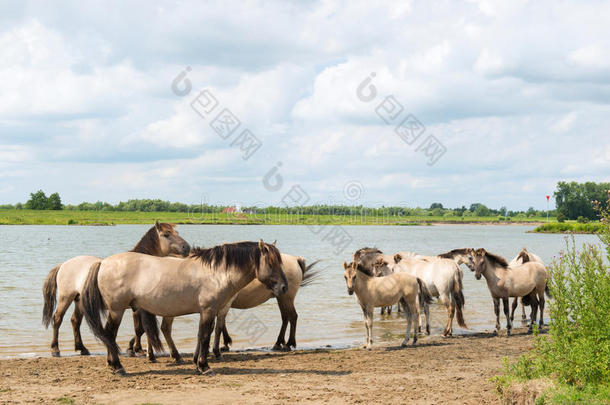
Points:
point(547, 208)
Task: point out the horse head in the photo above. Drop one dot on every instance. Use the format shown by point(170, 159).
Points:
point(169, 241)
point(479, 263)
point(350, 276)
point(269, 269)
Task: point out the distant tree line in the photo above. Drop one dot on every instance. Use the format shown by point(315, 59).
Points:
point(576, 200)
point(573, 201)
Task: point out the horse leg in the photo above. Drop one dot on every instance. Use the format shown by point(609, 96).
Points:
point(292, 317)
point(446, 300)
point(541, 305)
point(220, 326)
point(427, 314)
point(497, 312)
point(509, 325)
point(368, 323)
point(77, 318)
point(110, 330)
point(281, 342)
point(523, 316)
point(166, 329)
point(513, 307)
point(135, 344)
point(206, 325)
point(58, 317)
point(534, 304)
point(410, 317)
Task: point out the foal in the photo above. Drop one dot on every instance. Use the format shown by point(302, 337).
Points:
point(374, 292)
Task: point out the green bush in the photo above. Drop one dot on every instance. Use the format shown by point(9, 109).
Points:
point(561, 217)
point(582, 220)
point(576, 352)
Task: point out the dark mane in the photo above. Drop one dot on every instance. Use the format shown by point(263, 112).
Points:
point(364, 259)
point(452, 253)
point(237, 254)
point(524, 256)
point(149, 244)
point(499, 260)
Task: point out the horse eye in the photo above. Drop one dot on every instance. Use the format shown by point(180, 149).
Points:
point(166, 235)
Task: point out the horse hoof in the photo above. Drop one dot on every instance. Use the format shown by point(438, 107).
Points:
point(207, 371)
point(130, 353)
point(178, 360)
point(152, 360)
point(225, 348)
point(277, 348)
point(121, 372)
point(217, 354)
point(84, 352)
point(55, 354)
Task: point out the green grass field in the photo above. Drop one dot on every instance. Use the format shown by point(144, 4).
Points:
point(569, 226)
point(69, 217)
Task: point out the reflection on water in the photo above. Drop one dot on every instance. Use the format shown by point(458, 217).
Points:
point(327, 315)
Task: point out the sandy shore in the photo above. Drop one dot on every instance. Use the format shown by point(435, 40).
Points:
point(454, 370)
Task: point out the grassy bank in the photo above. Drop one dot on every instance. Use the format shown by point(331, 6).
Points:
point(73, 217)
point(565, 227)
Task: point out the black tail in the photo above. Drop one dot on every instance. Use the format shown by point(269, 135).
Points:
point(547, 291)
point(309, 277)
point(49, 292)
point(151, 327)
point(458, 298)
point(424, 294)
point(94, 307)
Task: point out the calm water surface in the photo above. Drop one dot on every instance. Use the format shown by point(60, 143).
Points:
point(327, 315)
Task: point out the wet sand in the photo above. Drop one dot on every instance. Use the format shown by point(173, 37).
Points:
point(438, 370)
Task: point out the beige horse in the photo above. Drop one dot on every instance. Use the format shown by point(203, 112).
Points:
point(298, 274)
point(203, 283)
point(443, 278)
point(65, 282)
point(528, 279)
point(374, 292)
point(523, 257)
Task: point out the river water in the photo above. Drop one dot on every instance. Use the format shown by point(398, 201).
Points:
point(327, 314)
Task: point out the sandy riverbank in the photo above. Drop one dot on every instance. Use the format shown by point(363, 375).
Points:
point(455, 370)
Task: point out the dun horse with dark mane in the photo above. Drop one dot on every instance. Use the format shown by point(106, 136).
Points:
point(203, 283)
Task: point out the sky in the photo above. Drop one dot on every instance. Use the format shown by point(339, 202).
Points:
point(311, 102)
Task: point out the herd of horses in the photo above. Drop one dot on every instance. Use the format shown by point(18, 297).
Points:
point(164, 276)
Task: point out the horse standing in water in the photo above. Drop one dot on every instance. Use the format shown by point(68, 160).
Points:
point(203, 283)
point(528, 279)
point(523, 257)
point(374, 292)
point(64, 283)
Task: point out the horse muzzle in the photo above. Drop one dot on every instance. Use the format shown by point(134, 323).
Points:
point(279, 289)
point(350, 291)
point(477, 276)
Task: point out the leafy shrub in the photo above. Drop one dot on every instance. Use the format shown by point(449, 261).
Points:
point(561, 217)
point(582, 220)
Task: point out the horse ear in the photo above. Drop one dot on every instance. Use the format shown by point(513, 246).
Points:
point(345, 265)
point(158, 225)
point(274, 242)
point(262, 246)
point(379, 262)
point(397, 258)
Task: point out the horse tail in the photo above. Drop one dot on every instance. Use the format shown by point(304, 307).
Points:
point(151, 327)
point(526, 300)
point(94, 307)
point(424, 294)
point(547, 290)
point(49, 292)
point(458, 298)
point(309, 276)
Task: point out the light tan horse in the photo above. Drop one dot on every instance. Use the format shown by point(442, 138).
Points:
point(64, 282)
point(523, 257)
point(528, 279)
point(298, 274)
point(203, 283)
point(443, 278)
point(374, 292)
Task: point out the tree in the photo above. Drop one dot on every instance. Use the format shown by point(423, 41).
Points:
point(436, 205)
point(576, 199)
point(54, 202)
point(482, 211)
point(37, 201)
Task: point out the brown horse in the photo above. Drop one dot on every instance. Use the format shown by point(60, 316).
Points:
point(528, 279)
point(65, 281)
point(203, 283)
